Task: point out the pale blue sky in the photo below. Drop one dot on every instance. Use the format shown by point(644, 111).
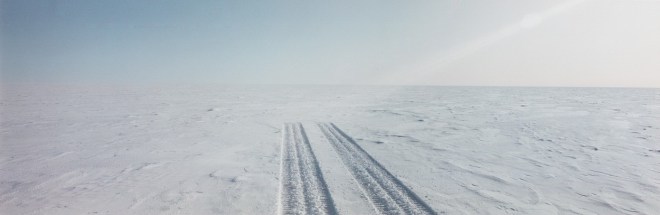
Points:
point(451, 42)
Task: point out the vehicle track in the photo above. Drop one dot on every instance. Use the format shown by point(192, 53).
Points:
point(302, 187)
point(385, 192)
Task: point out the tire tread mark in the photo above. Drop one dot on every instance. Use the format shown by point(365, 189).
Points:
point(386, 193)
point(302, 187)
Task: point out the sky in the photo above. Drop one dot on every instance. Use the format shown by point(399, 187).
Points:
point(581, 43)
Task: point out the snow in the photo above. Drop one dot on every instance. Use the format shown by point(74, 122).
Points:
point(216, 149)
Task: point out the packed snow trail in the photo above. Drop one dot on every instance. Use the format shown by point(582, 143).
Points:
point(385, 192)
point(302, 187)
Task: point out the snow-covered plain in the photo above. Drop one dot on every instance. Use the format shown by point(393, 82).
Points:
point(217, 149)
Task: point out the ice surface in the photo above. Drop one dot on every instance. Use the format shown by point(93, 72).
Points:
point(216, 150)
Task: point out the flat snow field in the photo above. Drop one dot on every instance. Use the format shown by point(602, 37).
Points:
point(328, 149)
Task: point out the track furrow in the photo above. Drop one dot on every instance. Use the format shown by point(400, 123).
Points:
point(302, 188)
point(385, 192)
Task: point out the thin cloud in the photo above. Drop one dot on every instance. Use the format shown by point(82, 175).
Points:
point(435, 64)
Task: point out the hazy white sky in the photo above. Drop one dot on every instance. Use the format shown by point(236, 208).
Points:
point(450, 42)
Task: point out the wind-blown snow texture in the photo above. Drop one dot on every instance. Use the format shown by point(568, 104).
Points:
point(217, 150)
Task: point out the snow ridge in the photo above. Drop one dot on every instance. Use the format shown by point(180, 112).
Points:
point(302, 187)
point(385, 192)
